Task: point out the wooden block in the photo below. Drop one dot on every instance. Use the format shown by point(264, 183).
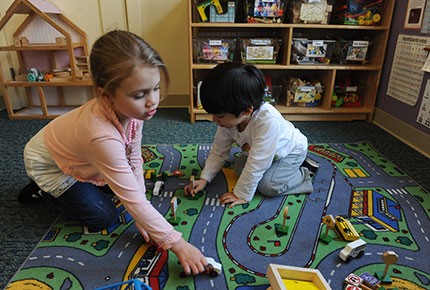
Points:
point(21, 78)
point(60, 41)
point(16, 41)
point(24, 41)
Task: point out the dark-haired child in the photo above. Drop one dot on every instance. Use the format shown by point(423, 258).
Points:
point(273, 150)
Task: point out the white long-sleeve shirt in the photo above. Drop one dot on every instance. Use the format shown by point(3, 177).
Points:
point(267, 136)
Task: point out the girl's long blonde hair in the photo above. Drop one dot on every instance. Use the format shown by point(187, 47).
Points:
point(115, 55)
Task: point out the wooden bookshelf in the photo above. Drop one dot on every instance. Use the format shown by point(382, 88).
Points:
point(368, 73)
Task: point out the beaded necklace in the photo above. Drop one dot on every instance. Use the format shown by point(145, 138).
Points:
point(127, 141)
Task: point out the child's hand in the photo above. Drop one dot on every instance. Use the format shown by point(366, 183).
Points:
point(229, 197)
point(191, 259)
point(198, 185)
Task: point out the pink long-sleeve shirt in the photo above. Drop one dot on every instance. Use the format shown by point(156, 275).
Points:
point(88, 144)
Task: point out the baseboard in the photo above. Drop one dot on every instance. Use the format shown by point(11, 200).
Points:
point(403, 131)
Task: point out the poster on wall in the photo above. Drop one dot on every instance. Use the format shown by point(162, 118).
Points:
point(425, 28)
point(406, 74)
point(424, 113)
point(414, 14)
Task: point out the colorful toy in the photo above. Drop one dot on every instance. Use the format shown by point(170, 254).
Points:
point(202, 7)
point(345, 230)
point(352, 250)
point(362, 12)
point(225, 17)
point(329, 222)
point(213, 268)
point(287, 277)
point(265, 11)
point(260, 50)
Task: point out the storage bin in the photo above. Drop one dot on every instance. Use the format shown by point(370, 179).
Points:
point(260, 50)
point(213, 50)
point(266, 11)
point(305, 96)
point(346, 96)
point(306, 51)
point(311, 11)
point(363, 12)
point(351, 51)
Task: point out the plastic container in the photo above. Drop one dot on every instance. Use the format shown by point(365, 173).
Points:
point(346, 96)
point(363, 12)
point(266, 11)
point(306, 51)
point(213, 50)
point(351, 51)
point(260, 50)
point(127, 285)
point(311, 11)
point(305, 96)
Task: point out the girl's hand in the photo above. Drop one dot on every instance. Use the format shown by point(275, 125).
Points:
point(229, 197)
point(191, 259)
point(198, 186)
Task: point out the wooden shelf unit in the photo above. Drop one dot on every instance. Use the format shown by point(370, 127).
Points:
point(63, 43)
point(369, 73)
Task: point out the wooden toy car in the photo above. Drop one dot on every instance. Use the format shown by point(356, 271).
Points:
point(213, 268)
point(158, 187)
point(352, 250)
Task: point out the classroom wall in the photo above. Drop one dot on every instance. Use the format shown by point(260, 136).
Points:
point(391, 114)
point(163, 26)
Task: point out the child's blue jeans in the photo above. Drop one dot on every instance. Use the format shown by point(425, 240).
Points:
point(285, 176)
point(90, 204)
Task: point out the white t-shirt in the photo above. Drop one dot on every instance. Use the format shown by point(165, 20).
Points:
point(267, 136)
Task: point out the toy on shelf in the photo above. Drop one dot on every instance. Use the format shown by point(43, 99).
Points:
point(282, 231)
point(352, 250)
point(226, 17)
point(304, 93)
point(213, 268)
point(311, 11)
point(288, 277)
point(271, 92)
point(173, 206)
point(203, 5)
point(362, 12)
point(307, 51)
point(265, 11)
point(213, 50)
point(389, 258)
point(345, 95)
point(329, 224)
point(260, 50)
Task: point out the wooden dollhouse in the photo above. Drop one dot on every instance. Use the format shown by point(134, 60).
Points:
point(53, 57)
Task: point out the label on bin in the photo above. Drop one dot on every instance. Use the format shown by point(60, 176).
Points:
point(306, 88)
point(261, 41)
point(351, 89)
point(215, 42)
point(361, 43)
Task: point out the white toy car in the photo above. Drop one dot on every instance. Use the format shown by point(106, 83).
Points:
point(213, 268)
point(158, 187)
point(352, 250)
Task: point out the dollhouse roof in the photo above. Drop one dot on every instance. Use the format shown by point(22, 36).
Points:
point(40, 11)
point(41, 5)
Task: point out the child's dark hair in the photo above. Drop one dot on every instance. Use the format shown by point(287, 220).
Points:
point(232, 88)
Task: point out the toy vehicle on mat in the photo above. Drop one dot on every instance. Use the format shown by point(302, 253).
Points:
point(352, 250)
point(345, 229)
point(213, 268)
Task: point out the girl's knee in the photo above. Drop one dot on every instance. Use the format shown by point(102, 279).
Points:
point(102, 219)
point(267, 188)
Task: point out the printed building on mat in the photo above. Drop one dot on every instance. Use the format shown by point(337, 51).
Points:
point(49, 42)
